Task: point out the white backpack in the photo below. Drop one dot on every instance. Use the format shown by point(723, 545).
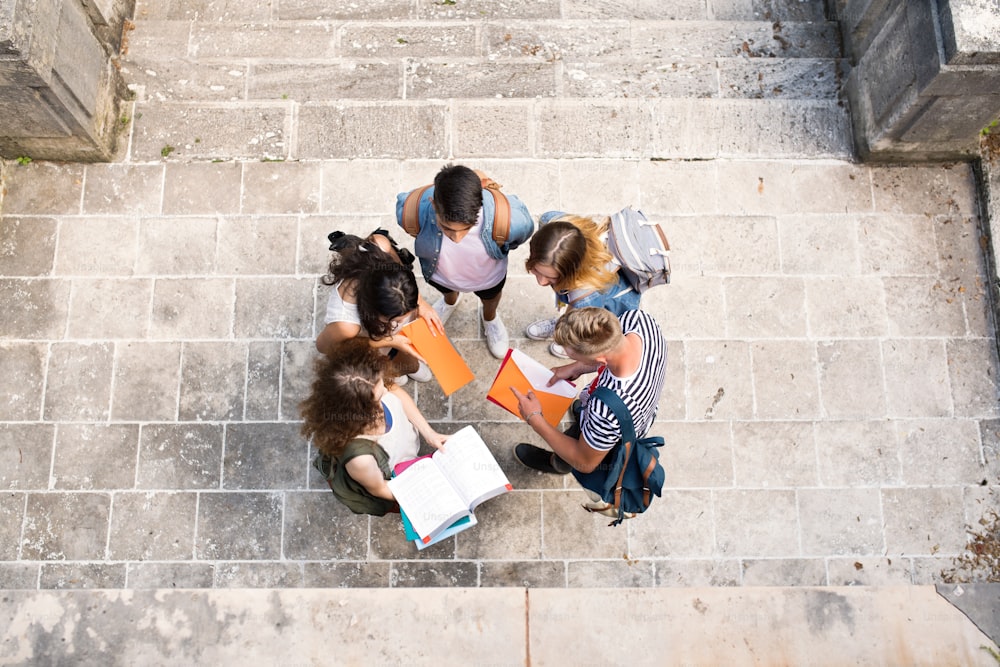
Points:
point(640, 248)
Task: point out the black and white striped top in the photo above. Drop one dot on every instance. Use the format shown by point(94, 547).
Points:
point(640, 392)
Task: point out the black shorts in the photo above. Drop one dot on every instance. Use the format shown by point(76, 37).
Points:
point(484, 294)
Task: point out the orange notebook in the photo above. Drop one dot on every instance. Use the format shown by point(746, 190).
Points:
point(520, 371)
point(446, 363)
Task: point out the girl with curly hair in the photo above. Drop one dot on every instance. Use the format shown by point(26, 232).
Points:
point(363, 425)
point(569, 254)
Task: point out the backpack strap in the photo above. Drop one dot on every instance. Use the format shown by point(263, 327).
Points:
point(501, 212)
point(411, 210)
point(620, 410)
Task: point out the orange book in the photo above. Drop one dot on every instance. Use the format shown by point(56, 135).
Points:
point(446, 363)
point(520, 371)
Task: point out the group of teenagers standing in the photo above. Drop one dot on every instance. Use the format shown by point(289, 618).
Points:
point(361, 420)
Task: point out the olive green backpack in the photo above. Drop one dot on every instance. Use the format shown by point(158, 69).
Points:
point(347, 490)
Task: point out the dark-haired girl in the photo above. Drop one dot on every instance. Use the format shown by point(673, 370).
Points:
point(374, 295)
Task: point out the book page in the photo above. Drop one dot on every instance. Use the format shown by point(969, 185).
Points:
point(471, 467)
point(538, 376)
point(429, 500)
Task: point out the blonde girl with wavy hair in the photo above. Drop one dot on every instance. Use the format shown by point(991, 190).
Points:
point(569, 254)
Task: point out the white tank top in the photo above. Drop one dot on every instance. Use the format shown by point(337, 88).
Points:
point(401, 441)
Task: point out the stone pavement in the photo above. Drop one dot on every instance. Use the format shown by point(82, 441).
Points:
point(831, 410)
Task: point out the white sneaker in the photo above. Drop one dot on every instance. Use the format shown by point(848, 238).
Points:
point(422, 374)
point(444, 309)
point(401, 380)
point(541, 329)
point(557, 350)
point(496, 337)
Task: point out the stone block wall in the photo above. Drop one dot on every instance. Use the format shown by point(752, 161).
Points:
point(925, 76)
point(59, 87)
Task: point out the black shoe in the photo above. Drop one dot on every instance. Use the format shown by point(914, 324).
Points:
point(540, 459)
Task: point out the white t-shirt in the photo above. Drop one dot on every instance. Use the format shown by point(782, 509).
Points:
point(466, 266)
point(401, 441)
point(338, 310)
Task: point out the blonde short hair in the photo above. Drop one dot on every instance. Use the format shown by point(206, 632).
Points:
point(589, 331)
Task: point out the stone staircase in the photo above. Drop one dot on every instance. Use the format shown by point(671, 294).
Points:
point(831, 406)
point(831, 413)
point(405, 79)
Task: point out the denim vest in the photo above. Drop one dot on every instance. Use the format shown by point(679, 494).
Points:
point(427, 246)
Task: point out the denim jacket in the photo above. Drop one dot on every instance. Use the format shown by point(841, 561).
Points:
point(427, 246)
point(618, 297)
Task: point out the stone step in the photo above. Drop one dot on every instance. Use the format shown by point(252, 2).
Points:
point(403, 10)
point(316, 61)
point(341, 80)
point(529, 128)
point(542, 41)
point(509, 626)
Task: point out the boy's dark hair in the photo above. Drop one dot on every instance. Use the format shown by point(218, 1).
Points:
point(458, 194)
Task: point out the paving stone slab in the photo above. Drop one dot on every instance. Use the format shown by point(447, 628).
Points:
point(923, 521)
point(172, 80)
point(97, 246)
point(27, 246)
point(719, 380)
point(169, 575)
point(756, 523)
point(323, 81)
point(264, 456)
point(368, 130)
point(200, 188)
point(36, 309)
point(180, 456)
point(783, 572)
point(70, 576)
point(21, 385)
point(368, 11)
point(213, 378)
point(258, 575)
point(758, 445)
point(152, 526)
point(558, 40)
point(83, 453)
point(346, 575)
point(225, 131)
point(109, 308)
point(407, 40)
point(65, 526)
point(850, 379)
point(196, 308)
point(848, 306)
point(43, 188)
point(696, 78)
point(145, 381)
point(753, 40)
point(239, 526)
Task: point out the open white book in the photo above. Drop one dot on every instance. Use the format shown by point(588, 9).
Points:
point(436, 491)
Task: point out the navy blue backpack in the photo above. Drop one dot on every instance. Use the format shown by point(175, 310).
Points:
point(630, 474)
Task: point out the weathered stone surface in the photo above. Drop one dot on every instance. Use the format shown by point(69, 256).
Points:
point(909, 102)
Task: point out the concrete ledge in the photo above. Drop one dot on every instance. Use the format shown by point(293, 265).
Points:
point(925, 76)
point(698, 626)
point(987, 171)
